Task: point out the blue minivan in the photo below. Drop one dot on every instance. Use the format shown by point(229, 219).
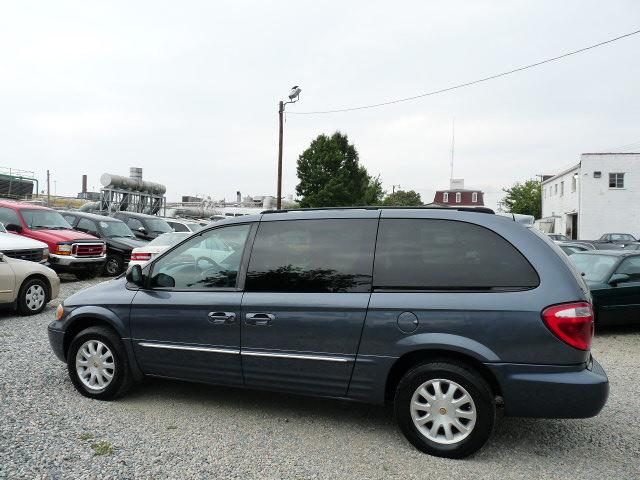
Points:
point(443, 313)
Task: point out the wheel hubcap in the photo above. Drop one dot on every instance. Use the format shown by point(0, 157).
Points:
point(112, 266)
point(95, 365)
point(35, 297)
point(443, 411)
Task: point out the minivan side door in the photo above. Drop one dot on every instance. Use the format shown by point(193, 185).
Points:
point(306, 294)
point(186, 323)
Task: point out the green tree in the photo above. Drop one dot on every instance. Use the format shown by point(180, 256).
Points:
point(330, 175)
point(402, 198)
point(524, 198)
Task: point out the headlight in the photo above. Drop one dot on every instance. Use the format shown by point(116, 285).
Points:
point(63, 249)
point(45, 254)
point(59, 312)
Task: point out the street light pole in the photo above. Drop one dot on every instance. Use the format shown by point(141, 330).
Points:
point(293, 98)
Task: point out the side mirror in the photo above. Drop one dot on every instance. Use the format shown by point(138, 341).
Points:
point(142, 230)
point(163, 280)
point(12, 227)
point(617, 278)
point(134, 275)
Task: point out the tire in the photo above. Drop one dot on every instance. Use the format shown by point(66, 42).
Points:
point(456, 442)
point(87, 274)
point(32, 297)
point(113, 362)
point(113, 266)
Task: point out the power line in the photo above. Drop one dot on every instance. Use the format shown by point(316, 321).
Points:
point(467, 84)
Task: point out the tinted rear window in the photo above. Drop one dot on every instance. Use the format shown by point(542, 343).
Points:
point(424, 254)
point(313, 256)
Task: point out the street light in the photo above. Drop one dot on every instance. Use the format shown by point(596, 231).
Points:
point(294, 96)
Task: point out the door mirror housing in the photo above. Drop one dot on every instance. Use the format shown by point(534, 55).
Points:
point(12, 227)
point(134, 275)
point(617, 278)
point(163, 280)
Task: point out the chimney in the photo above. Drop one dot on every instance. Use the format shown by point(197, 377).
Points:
point(238, 197)
point(84, 184)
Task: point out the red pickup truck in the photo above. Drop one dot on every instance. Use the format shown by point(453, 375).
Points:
point(69, 250)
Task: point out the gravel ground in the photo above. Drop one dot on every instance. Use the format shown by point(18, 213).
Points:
point(165, 429)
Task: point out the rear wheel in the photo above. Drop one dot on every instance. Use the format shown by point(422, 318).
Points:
point(445, 409)
point(32, 297)
point(98, 365)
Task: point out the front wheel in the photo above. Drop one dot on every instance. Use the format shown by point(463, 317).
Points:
point(32, 297)
point(445, 409)
point(98, 365)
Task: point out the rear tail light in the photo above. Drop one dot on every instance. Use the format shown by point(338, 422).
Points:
point(140, 257)
point(571, 322)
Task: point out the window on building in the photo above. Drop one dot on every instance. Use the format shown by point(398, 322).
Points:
point(458, 197)
point(474, 197)
point(574, 182)
point(446, 255)
point(555, 189)
point(313, 256)
point(616, 180)
point(561, 188)
point(445, 197)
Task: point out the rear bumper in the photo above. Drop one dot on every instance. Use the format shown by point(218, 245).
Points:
point(63, 263)
point(549, 391)
point(56, 340)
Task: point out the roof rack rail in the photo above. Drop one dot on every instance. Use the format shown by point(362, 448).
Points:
point(382, 207)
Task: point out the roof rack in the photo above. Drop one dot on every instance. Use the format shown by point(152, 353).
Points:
point(381, 207)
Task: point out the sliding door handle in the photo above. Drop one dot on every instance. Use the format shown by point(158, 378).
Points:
point(259, 319)
point(221, 318)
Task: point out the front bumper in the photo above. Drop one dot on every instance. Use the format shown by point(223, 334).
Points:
point(548, 391)
point(56, 340)
point(69, 262)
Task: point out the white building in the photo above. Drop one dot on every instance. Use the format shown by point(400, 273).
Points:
point(601, 194)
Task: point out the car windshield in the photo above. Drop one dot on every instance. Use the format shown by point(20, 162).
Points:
point(625, 237)
point(158, 225)
point(168, 239)
point(594, 267)
point(44, 219)
point(112, 229)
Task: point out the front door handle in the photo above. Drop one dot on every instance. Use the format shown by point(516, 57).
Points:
point(259, 319)
point(221, 318)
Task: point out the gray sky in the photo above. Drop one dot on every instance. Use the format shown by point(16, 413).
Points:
point(188, 90)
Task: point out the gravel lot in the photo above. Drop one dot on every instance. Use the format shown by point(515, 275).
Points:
point(178, 430)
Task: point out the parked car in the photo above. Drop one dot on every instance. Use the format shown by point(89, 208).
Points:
point(613, 277)
point(558, 237)
point(632, 246)
point(144, 227)
point(116, 234)
point(619, 238)
point(23, 248)
point(141, 255)
point(25, 285)
point(69, 250)
point(181, 225)
point(572, 247)
point(456, 309)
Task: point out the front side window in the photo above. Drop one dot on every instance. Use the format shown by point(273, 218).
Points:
point(135, 224)
point(616, 180)
point(8, 216)
point(158, 225)
point(111, 228)
point(630, 266)
point(211, 260)
point(86, 225)
point(178, 227)
point(425, 254)
point(313, 256)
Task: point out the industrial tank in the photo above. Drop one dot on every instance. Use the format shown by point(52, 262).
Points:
point(135, 184)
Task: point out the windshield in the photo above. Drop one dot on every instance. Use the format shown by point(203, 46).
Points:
point(44, 219)
point(116, 229)
point(594, 267)
point(168, 239)
point(158, 225)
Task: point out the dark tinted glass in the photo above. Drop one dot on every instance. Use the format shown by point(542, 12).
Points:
point(447, 255)
point(9, 216)
point(313, 256)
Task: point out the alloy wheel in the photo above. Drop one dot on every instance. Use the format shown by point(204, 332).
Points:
point(443, 411)
point(95, 365)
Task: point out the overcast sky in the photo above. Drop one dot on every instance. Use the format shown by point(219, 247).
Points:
point(188, 90)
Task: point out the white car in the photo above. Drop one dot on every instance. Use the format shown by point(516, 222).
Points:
point(26, 285)
point(146, 253)
point(181, 225)
point(17, 246)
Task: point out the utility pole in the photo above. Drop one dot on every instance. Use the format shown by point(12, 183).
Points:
point(393, 188)
point(279, 197)
point(48, 191)
point(453, 140)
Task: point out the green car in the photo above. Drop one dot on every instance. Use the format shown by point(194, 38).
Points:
point(613, 276)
